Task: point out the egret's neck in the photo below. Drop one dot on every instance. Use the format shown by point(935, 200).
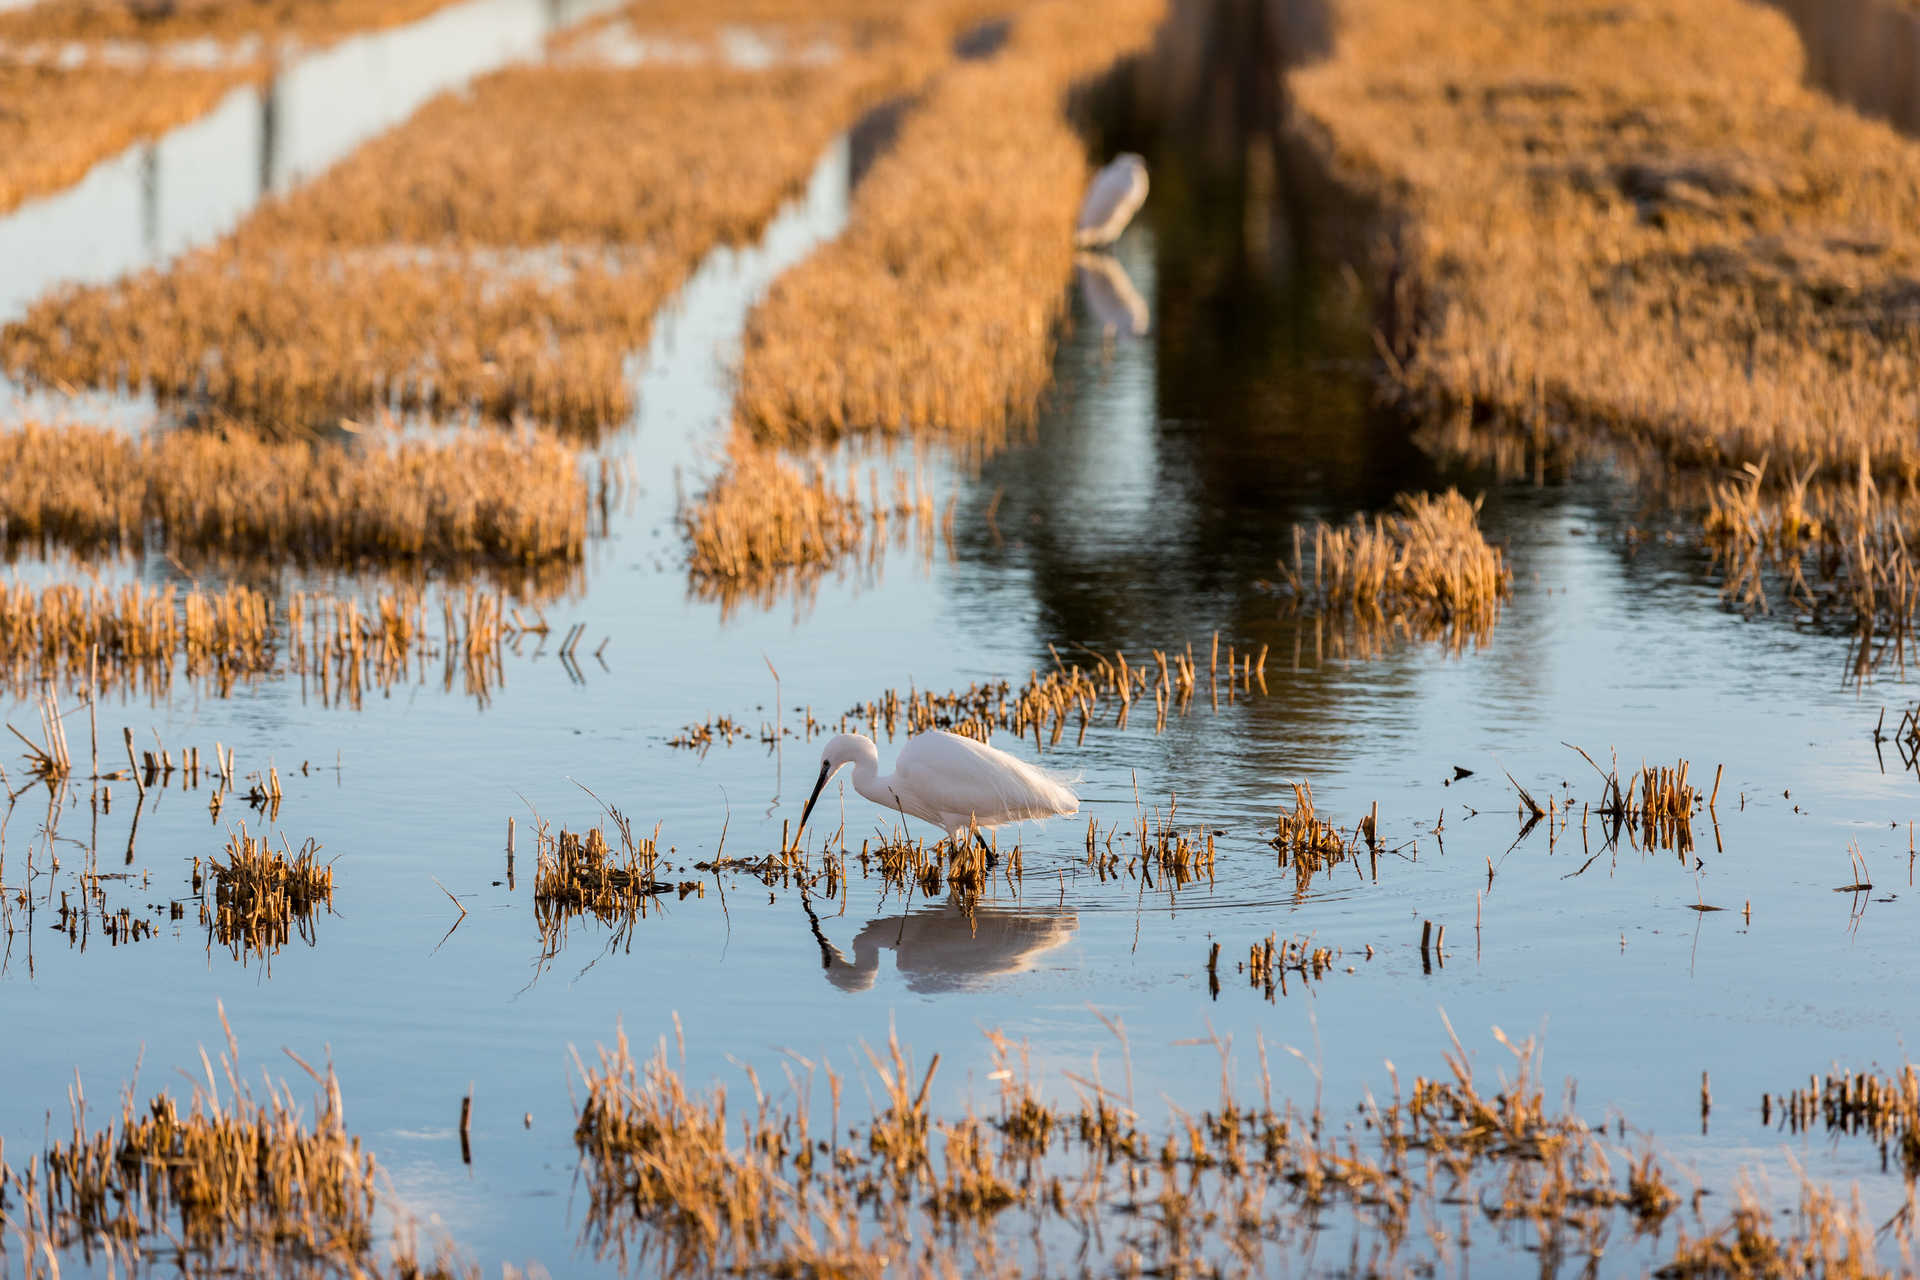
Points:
point(865, 774)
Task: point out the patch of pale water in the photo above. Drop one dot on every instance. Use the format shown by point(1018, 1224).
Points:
point(1160, 486)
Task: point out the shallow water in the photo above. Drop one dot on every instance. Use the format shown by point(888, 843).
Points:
point(1160, 487)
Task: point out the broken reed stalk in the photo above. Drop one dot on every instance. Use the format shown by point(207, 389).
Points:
point(473, 500)
point(1425, 564)
point(1693, 257)
point(934, 311)
point(517, 269)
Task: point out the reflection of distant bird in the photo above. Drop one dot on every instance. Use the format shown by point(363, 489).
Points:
point(946, 948)
point(1113, 197)
point(1109, 295)
point(953, 782)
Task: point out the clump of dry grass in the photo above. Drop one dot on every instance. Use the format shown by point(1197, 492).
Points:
point(262, 895)
point(471, 500)
point(1426, 561)
point(1270, 960)
point(1830, 1240)
point(1308, 844)
point(231, 1184)
point(548, 212)
point(579, 874)
point(935, 310)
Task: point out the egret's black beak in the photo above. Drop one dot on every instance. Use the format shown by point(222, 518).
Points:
point(826, 771)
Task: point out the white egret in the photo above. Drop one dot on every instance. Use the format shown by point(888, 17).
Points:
point(1113, 197)
point(955, 783)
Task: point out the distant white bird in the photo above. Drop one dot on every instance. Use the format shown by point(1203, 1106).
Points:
point(953, 782)
point(1113, 197)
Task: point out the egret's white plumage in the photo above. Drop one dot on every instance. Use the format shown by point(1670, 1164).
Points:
point(952, 782)
point(1113, 197)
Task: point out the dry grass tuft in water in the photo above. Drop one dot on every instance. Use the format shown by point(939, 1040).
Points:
point(935, 310)
point(1309, 845)
point(548, 212)
point(474, 500)
point(579, 874)
point(261, 895)
point(1426, 563)
point(763, 521)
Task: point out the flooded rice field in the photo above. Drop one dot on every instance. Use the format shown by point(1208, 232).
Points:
point(1319, 855)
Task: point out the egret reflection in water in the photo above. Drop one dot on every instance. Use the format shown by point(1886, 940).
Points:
point(1109, 295)
point(950, 947)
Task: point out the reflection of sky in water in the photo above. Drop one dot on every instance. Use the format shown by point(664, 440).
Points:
point(1165, 474)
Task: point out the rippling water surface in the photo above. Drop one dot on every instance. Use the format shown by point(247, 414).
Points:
point(1158, 492)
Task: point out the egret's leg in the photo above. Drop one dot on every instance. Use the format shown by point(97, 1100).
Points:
point(993, 859)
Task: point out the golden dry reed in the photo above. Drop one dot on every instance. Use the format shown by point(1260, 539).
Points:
point(470, 500)
point(1645, 225)
point(935, 310)
point(263, 895)
point(680, 1182)
point(548, 212)
point(1308, 845)
point(1426, 561)
point(578, 874)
